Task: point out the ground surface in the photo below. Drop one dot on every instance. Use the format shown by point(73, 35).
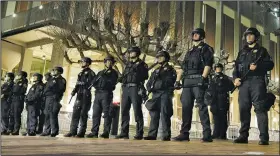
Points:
point(19, 145)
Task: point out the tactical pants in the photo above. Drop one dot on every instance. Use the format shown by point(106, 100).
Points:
point(80, 113)
point(219, 111)
point(51, 111)
point(32, 113)
point(5, 109)
point(165, 110)
point(41, 121)
point(188, 96)
point(253, 90)
point(130, 96)
point(16, 110)
point(102, 103)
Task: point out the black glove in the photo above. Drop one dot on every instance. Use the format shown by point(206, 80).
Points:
point(177, 85)
point(73, 93)
point(120, 79)
point(202, 82)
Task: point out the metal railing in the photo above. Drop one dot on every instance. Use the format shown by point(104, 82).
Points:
point(195, 132)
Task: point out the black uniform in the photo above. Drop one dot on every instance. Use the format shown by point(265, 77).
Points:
point(135, 74)
point(161, 84)
point(19, 90)
point(104, 84)
point(41, 115)
point(194, 88)
point(53, 92)
point(83, 101)
point(33, 104)
point(253, 89)
point(6, 91)
point(220, 87)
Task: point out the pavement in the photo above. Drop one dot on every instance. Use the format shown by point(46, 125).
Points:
point(28, 145)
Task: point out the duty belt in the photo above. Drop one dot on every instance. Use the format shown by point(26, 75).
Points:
point(251, 77)
point(130, 85)
point(193, 76)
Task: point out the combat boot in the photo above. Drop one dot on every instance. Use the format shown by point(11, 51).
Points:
point(181, 137)
point(5, 133)
point(165, 139)
point(263, 142)
point(241, 140)
point(138, 137)
point(80, 135)
point(54, 134)
point(150, 138)
point(32, 134)
point(91, 135)
point(69, 135)
point(104, 135)
point(45, 134)
point(15, 133)
point(122, 136)
point(209, 139)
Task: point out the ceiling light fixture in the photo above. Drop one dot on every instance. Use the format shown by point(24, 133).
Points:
point(41, 7)
point(14, 15)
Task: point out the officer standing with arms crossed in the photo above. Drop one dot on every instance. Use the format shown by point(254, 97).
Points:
point(104, 84)
point(161, 84)
point(53, 92)
point(195, 70)
point(19, 90)
point(83, 101)
point(33, 104)
point(253, 88)
point(133, 79)
point(219, 91)
point(6, 95)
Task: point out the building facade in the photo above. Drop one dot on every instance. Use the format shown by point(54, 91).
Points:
point(25, 46)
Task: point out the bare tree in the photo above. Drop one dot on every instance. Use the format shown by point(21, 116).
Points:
point(111, 28)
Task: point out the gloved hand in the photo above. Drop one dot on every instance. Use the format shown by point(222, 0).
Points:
point(120, 79)
point(201, 82)
point(177, 85)
point(73, 93)
point(80, 83)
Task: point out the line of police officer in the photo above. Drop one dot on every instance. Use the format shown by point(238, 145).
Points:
point(252, 63)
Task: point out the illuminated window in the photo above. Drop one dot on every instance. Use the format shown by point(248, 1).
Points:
point(21, 6)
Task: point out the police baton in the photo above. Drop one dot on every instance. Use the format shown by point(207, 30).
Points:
point(244, 77)
point(70, 99)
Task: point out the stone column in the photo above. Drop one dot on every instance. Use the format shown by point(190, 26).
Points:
point(197, 14)
point(237, 27)
point(219, 28)
point(26, 60)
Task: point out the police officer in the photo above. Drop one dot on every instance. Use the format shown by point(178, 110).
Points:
point(104, 84)
point(41, 119)
point(133, 78)
point(255, 60)
point(33, 102)
point(53, 92)
point(161, 84)
point(83, 101)
point(219, 89)
point(19, 90)
point(6, 95)
point(195, 69)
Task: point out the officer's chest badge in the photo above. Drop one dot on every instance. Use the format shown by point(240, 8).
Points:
point(165, 68)
point(54, 81)
point(86, 73)
point(199, 47)
point(20, 84)
point(109, 71)
point(255, 51)
point(221, 77)
point(32, 89)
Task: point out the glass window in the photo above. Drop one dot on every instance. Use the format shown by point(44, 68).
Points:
point(21, 6)
point(11, 8)
point(36, 4)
